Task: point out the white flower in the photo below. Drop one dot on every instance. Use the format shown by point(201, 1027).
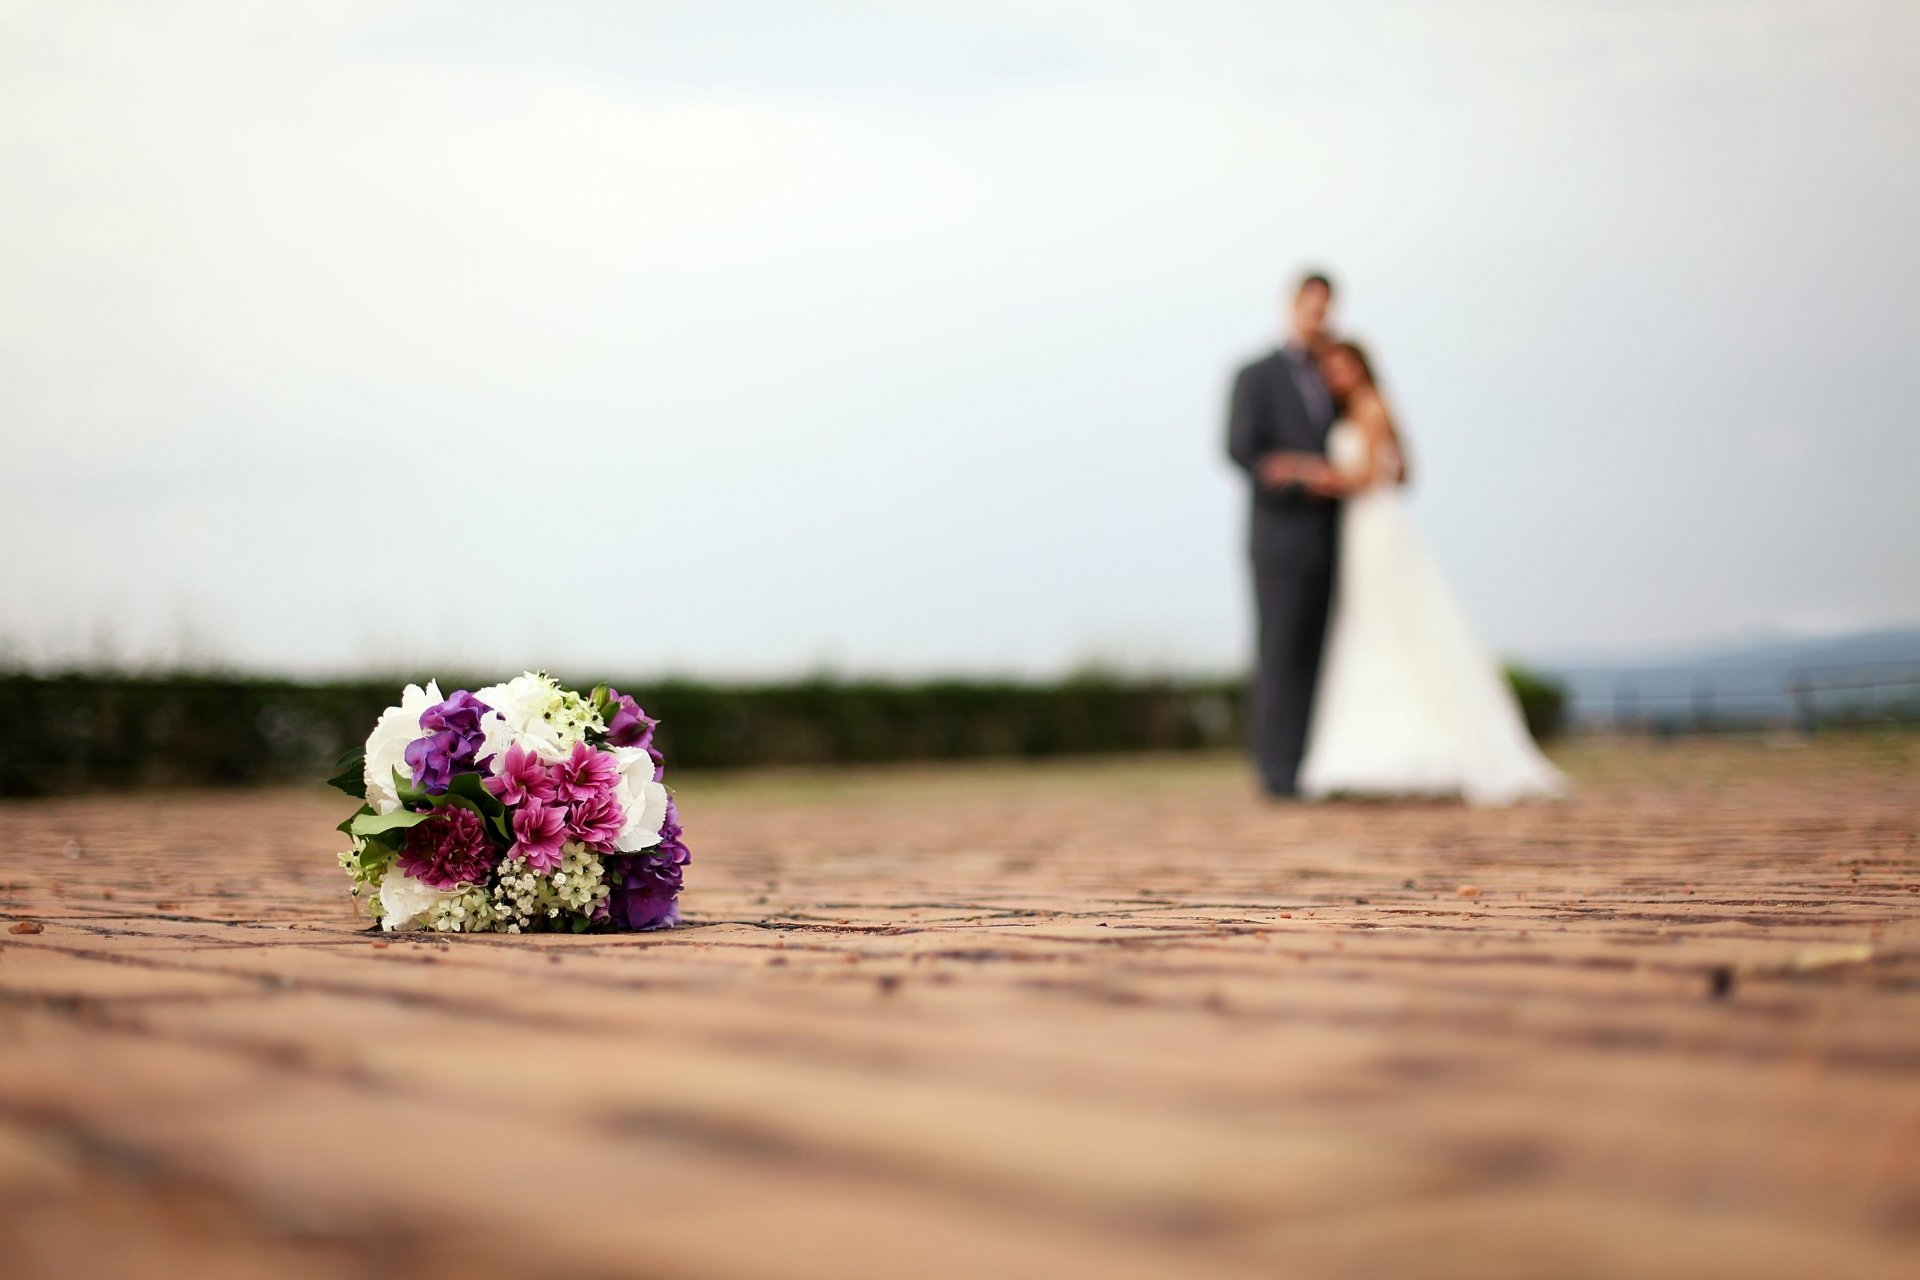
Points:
point(496, 735)
point(405, 902)
point(520, 896)
point(468, 911)
point(387, 744)
point(536, 709)
point(643, 799)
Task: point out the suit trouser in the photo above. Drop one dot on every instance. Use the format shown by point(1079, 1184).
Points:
point(1293, 598)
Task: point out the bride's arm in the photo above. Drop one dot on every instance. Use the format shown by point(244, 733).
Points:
point(1285, 467)
point(1366, 411)
point(1384, 457)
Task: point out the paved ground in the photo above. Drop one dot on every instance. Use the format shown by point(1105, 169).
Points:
point(1108, 1020)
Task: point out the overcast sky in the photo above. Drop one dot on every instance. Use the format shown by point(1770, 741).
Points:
point(761, 337)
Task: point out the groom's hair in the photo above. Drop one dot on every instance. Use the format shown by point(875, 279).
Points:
point(1311, 279)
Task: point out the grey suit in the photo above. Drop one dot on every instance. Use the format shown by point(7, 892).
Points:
point(1293, 536)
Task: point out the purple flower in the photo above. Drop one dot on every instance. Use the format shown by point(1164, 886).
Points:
point(452, 737)
point(596, 821)
point(671, 846)
point(539, 829)
point(584, 774)
point(522, 777)
point(629, 726)
point(448, 849)
point(648, 895)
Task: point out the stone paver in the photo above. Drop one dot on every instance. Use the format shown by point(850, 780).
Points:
point(1105, 1019)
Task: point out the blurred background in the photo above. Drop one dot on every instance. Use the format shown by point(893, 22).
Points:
point(750, 342)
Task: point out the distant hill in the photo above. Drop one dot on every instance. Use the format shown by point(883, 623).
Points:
point(1869, 674)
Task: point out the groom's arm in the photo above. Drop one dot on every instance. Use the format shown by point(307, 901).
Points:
point(1251, 432)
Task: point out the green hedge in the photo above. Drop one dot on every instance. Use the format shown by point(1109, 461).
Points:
point(1542, 702)
point(87, 731)
point(84, 731)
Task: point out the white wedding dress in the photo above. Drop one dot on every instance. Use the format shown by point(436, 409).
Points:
point(1409, 703)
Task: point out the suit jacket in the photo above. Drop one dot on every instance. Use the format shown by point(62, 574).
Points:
point(1268, 413)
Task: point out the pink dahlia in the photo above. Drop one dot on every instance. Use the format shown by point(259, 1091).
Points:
point(584, 774)
point(539, 829)
point(597, 822)
point(522, 777)
point(449, 849)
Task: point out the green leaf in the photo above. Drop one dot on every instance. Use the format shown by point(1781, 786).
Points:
point(351, 777)
point(392, 841)
point(359, 813)
point(409, 794)
point(452, 801)
point(464, 791)
point(376, 858)
point(472, 786)
point(468, 790)
point(374, 824)
point(463, 786)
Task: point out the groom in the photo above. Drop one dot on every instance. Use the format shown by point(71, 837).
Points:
point(1280, 406)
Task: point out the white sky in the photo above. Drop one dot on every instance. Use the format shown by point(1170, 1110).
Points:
point(755, 337)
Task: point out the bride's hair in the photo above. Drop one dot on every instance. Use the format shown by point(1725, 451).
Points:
point(1359, 355)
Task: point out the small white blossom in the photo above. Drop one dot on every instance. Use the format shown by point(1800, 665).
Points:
point(543, 717)
point(468, 911)
point(366, 878)
point(521, 895)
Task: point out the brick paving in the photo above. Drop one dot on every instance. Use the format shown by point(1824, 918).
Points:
point(1110, 1019)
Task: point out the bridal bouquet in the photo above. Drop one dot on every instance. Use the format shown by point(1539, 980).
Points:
point(522, 807)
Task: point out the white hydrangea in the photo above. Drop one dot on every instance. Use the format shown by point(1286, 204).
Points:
point(387, 744)
point(541, 716)
point(642, 799)
point(496, 735)
point(405, 903)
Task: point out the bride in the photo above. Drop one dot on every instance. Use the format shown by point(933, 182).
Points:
point(1408, 701)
